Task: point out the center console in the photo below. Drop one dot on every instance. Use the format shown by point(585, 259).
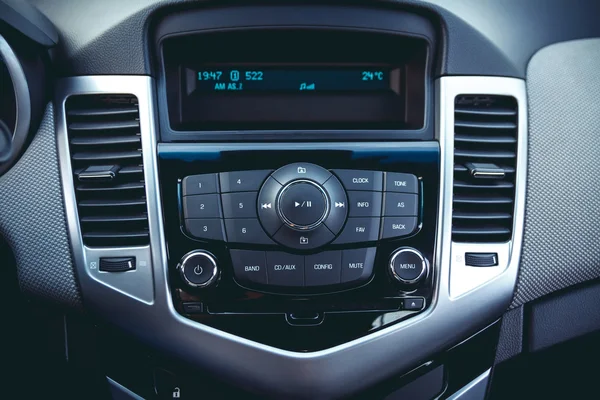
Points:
point(314, 234)
point(338, 251)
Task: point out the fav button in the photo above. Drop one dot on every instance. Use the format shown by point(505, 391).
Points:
point(285, 269)
point(401, 205)
point(249, 266)
point(323, 268)
point(365, 204)
point(358, 230)
point(360, 180)
point(357, 265)
point(402, 183)
point(242, 181)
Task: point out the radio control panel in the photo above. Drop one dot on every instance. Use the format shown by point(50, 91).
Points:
point(264, 240)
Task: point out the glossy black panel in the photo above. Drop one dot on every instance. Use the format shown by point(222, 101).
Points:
point(343, 313)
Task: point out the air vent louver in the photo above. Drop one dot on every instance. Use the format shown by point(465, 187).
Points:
point(485, 146)
point(106, 156)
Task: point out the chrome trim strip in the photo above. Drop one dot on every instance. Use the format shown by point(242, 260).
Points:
point(475, 390)
point(281, 373)
point(120, 392)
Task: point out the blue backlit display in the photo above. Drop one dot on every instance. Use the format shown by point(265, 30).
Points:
point(293, 80)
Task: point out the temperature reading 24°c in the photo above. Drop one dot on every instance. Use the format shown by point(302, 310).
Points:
point(372, 75)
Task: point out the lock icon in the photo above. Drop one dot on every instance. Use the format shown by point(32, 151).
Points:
point(176, 393)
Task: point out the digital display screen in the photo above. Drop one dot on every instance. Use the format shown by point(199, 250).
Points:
point(307, 80)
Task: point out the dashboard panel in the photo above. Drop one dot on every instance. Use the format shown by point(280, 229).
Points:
point(265, 194)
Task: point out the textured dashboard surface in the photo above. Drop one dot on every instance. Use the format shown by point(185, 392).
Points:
point(562, 220)
point(32, 220)
point(482, 37)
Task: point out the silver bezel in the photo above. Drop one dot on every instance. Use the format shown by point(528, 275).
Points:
point(286, 220)
point(215, 268)
point(424, 266)
point(457, 309)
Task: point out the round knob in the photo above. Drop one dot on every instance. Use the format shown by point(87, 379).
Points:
point(408, 266)
point(198, 269)
point(302, 205)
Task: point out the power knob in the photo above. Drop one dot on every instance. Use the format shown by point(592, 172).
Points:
point(408, 266)
point(198, 269)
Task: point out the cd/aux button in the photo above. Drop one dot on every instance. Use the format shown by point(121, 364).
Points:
point(285, 269)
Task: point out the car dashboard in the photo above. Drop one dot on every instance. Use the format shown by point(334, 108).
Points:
point(299, 200)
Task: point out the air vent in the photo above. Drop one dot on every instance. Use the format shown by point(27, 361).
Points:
point(106, 156)
point(485, 147)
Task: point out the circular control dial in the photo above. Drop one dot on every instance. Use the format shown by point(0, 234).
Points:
point(408, 266)
point(198, 269)
point(302, 205)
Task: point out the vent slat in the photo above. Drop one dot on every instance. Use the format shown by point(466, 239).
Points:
point(104, 134)
point(103, 126)
point(94, 112)
point(485, 133)
point(113, 188)
point(470, 111)
point(114, 218)
point(106, 155)
point(483, 154)
point(485, 125)
point(484, 139)
point(483, 199)
point(480, 231)
point(112, 203)
point(479, 216)
point(104, 140)
point(483, 184)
